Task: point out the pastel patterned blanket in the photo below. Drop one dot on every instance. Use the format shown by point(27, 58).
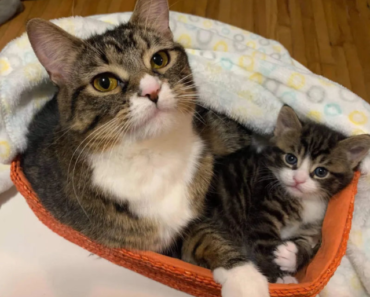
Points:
point(237, 72)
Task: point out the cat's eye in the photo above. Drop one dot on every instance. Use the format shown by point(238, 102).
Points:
point(105, 82)
point(291, 159)
point(160, 60)
point(321, 172)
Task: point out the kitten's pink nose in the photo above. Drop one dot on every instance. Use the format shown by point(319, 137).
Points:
point(300, 177)
point(150, 87)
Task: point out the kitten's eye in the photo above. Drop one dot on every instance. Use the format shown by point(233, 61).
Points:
point(105, 82)
point(321, 172)
point(291, 159)
point(160, 60)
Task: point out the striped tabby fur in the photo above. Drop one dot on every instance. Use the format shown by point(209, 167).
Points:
point(128, 166)
point(256, 212)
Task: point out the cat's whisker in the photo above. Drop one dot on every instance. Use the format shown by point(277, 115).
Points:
point(86, 138)
point(92, 134)
point(199, 118)
point(182, 79)
point(196, 114)
point(201, 105)
point(185, 88)
point(96, 137)
point(112, 132)
point(98, 131)
point(64, 132)
point(188, 93)
point(190, 96)
point(121, 131)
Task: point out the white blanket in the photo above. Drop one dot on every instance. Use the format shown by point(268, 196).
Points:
point(237, 72)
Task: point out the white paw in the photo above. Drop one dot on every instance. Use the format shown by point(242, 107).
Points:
point(286, 256)
point(242, 281)
point(288, 279)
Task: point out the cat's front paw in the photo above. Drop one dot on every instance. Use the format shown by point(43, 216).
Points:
point(286, 256)
point(242, 281)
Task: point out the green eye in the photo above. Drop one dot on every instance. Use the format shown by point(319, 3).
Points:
point(105, 83)
point(160, 60)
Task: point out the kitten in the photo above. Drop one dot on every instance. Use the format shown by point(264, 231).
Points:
point(265, 210)
point(119, 154)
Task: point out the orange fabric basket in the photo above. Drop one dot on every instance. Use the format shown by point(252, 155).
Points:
point(196, 280)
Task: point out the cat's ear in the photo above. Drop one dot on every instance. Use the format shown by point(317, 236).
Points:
point(153, 14)
point(356, 148)
point(287, 121)
point(55, 48)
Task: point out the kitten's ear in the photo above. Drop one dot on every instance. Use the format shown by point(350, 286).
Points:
point(55, 48)
point(356, 148)
point(153, 14)
point(287, 120)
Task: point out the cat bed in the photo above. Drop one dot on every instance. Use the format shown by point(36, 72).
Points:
point(237, 73)
point(199, 281)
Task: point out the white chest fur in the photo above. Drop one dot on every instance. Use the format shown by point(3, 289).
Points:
point(153, 176)
point(313, 211)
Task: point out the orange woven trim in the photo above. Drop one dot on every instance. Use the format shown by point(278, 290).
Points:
point(155, 267)
point(324, 278)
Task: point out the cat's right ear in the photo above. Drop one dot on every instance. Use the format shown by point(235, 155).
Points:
point(356, 148)
point(287, 120)
point(55, 48)
point(153, 14)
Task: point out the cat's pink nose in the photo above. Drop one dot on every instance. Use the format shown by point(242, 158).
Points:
point(150, 87)
point(300, 178)
point(153, 96)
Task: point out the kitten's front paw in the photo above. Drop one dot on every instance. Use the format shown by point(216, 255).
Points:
point(242, 281)
point(286, 256)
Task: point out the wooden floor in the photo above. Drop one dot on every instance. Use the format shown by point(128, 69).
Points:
point(330, 37)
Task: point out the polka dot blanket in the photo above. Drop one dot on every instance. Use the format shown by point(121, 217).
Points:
point(238, 73)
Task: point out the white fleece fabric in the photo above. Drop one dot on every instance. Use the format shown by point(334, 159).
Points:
point(237, 72)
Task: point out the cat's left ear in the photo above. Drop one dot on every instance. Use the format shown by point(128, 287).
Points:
point(153, 14)
point(287, 121)
point(356, 148)
point(55, 48)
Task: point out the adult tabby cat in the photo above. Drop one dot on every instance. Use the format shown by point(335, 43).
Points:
point(118, 154)
point(266, 209)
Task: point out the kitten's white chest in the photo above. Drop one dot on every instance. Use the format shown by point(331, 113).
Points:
point(153, 177)
point(313, 211)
